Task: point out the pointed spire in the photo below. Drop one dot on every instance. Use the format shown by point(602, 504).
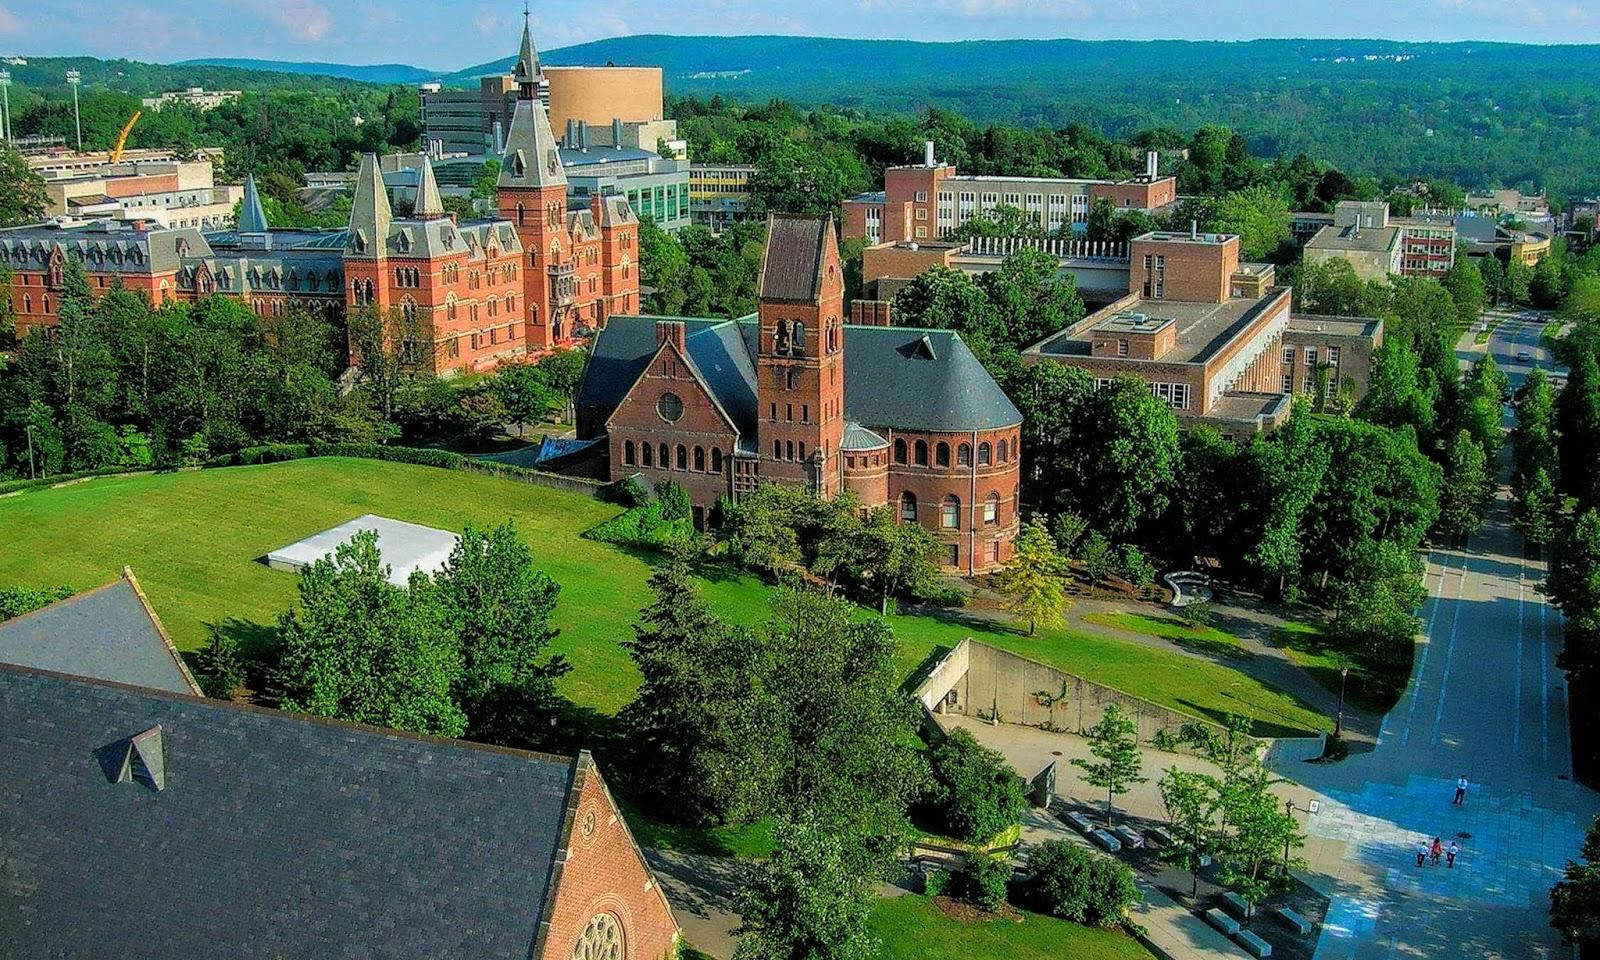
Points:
point(528, 69)
point(429, 205)
point(531, 157)
point(252, 218)
point(370, 215)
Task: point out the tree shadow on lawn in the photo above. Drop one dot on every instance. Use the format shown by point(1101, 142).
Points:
point(709, 569)
point(1259, 726)
point(1372, 688)
point(1178, 632)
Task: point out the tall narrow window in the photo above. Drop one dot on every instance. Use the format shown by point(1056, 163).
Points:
point(922, 453)
point(941, 454)
point(950, 513)
point(908, 507)
point(627, 452)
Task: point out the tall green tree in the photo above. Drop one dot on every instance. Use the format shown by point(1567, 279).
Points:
point(809, 901)
point(1031, 579)
point(1125, 460)
point(1031, 297)
point(23, 199)
point(499, 606)
point(1117, 761)
point(977, 793)
point(1465, 284)
point(360, 648)
point(1465, 493)
point(1190, 801)
point(1574, 586)
point(1575, 899)
point(1260, 216)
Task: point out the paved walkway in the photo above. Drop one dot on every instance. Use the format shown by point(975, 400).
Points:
point(1486, 701)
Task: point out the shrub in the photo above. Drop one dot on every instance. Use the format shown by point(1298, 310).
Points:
point(674, 501)
point(1097, 559)
point(1135, 567)
point(935, 882)
point(629, 492)
point(1067, 881)
point(221, 666)
point(984, 880)
point(977, 793)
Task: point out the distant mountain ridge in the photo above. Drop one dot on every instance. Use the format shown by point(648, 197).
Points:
point(381, 73)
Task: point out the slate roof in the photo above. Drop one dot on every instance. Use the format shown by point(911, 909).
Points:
point(857, 437)
point(791, 262)
point(107, 633)
point(104, 246)
point(895, 378)
point(252, 218)
point(274, 835)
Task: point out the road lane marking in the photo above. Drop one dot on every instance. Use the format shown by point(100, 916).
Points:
point(1516, 708)
point(1449, 655)
point(1544, 688)
point(1422, 663)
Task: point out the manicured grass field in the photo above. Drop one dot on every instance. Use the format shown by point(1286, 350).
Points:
point(912, 928)
point(1184, 633)
point(194, 540)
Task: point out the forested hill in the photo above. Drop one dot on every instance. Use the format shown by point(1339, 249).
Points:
point(365, 73)
point(48, 75)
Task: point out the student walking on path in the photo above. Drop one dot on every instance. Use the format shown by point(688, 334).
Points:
point(1461, 791)
point(1450, 855)
point(1435, 850)
point(1422, 853)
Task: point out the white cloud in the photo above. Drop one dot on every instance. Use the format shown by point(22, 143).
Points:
point(1044, 9)
point(10, 26)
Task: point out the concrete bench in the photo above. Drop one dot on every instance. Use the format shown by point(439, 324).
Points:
point(1300, 924)
point(1081, 822)
point(1161, 837)
point(1257, 946)
point(1130, 837)
point(1106, 841)
point(1239, 906)
point(1222, 921)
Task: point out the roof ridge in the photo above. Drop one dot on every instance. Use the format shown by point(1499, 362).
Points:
point(161, 630)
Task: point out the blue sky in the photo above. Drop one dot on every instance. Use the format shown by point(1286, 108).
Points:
point(448, 34)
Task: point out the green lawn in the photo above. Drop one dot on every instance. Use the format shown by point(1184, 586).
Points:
point(912, 928)
point(194, 540)
point(1193, 636)
point(1373, 688)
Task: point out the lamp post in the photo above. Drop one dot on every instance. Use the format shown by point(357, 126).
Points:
point(5, 105)
point(73, 79)
point(28, 429)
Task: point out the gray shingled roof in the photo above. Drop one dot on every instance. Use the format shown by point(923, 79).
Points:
point(105, 633)
point(791, 263)
point(895, 378)
point(274, 835)
point(857, 437)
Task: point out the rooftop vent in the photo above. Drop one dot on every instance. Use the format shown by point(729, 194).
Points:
point(141, 757)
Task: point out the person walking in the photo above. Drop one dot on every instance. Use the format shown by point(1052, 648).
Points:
point(1461, 791)
point(1422, 853)
point(1435, 850)
point(1450, 855)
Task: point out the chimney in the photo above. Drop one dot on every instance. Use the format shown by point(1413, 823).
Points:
point(571, 138)
point(927, 154)
point(1152, 165)
point(670, 330)
point(616, 132)
point(583, 135)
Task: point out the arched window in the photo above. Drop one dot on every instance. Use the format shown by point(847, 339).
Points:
point(991, 510)
point(790, 377)
point(522, 214)
point(649, 455)
point(683, 457)
point(788, 449)
point(964, 455)
point(950, 513)
point(922, 453)
point(899, 451)
point(777, 449)
point(780, 338)
point(716, 460)
point(983, 455)
point(941, 454)
point(1004, 448)
point(908, 507)
point(627, 452)
point(700, 458)
point(798, 347)
point(27, 303)
point(665, 458)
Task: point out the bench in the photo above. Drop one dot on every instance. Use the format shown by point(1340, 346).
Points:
point(1105, 841)
point(1300, 924)
point(1257, 946)
point(1222, 921)
point(1130, 837)
point(1081, 822)
point(1239, 906)
point(1160, 836)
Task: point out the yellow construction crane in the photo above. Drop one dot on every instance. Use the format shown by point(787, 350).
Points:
point(122, 138)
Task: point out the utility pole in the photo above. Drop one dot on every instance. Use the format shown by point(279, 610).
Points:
point(5, 105)
point(73, 79)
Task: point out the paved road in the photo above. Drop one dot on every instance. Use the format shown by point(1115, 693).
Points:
point(1485, 701)
point(1518, 332)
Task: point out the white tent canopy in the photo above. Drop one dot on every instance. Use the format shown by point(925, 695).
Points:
point(404, 547)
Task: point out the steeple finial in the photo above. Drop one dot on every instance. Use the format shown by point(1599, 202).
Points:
point(528, 70)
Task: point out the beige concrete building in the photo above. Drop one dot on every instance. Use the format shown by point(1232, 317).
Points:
point(198, 97)
point(171, 193)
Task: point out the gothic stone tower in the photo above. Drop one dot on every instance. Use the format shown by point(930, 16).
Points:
point(533, 196)
point(800, 358)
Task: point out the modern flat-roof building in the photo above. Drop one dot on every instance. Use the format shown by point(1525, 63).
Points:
point(929, 200)
point(1330, 353)
point(168, 192)
point(1376, 244)
point(719, 194)
point(198, 97)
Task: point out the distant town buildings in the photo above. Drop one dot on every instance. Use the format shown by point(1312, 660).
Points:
point(929, 200)
point(794, 395)
point(719, 194)
point(198, 97)
point(541, 274)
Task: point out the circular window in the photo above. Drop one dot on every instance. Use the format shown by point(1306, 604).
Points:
point(601, 940)
point(670, 406)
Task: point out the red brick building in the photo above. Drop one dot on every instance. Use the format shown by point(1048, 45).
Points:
point(539, 276)
point(793, 394)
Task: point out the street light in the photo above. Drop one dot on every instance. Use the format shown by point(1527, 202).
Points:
point(1289, 811)
point(73, 79)
point(5, 105)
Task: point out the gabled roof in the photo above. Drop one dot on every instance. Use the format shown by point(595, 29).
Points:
point(109, 633)
point(271, 834)
point(252, 218)
point(791, 262)
point(895, 378)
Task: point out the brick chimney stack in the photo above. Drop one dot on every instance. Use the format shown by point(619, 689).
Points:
point(672, 330)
